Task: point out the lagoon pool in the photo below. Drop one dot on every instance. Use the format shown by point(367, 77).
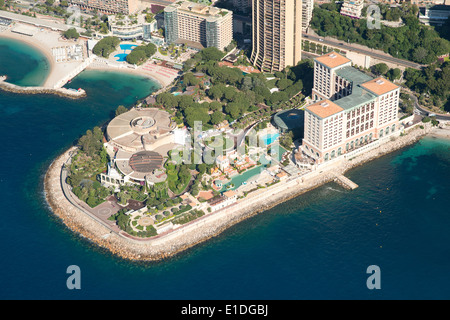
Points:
point(125, 47)
point(121, 56)
point(239, 179)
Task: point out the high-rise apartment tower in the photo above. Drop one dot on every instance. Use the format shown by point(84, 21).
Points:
point(277, 34)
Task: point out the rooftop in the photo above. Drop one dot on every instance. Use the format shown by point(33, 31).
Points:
point(229, 193)
point(146, 161)
point(332, 59)
point(379, 86)
point(197, 9)
point(354, 75)
point(324, 108)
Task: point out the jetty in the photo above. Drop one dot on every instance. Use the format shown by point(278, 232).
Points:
point(345, 182)
point(64, 92)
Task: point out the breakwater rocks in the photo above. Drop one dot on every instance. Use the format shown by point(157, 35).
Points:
point(172, 242)
point(63, 92)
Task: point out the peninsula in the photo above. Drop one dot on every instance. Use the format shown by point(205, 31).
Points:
point(223, 139)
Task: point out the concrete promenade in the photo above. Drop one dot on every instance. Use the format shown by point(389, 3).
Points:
point(210, 225)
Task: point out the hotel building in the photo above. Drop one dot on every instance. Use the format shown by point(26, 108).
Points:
point(127, 28)
point(108, 6)
point(277, 34)
point(350, 109)
point(352, 8)
point(198, 25)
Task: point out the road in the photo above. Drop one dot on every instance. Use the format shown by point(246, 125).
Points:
point(424, 112)
point(342, 45)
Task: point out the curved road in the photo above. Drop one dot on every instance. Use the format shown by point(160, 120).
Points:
point(342, 45)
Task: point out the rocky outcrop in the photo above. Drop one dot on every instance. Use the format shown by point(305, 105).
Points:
point(63, 92)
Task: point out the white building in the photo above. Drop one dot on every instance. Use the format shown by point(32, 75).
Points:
point(307, 9)
point(352, 8)
point(131, 27)
point(225, 200)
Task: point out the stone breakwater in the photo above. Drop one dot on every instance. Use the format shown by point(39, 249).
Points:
point(210, 225)
point(63, 92)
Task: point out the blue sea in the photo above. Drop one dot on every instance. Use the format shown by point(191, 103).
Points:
point(316, 246)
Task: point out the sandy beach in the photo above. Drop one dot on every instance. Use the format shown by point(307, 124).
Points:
point(210, 225)
point(45, 40)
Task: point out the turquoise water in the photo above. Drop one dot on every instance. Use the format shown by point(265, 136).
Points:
point(127, 46)
point(121, 56)
point(33, 68)
point(316, 246)
point(239, 179)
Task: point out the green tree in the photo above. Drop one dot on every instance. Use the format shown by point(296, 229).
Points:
point(380, 68)
point(71, 34)
point(121, 109)
point(106, 46)
point(217, 117)
point(211, 54)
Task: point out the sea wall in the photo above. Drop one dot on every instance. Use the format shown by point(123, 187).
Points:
point(63, 92)
point(210, 225)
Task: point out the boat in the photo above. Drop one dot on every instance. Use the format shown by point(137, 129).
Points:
point(244, 183)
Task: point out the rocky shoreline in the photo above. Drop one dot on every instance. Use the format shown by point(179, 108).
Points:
point(208, 226)
point(63, 92)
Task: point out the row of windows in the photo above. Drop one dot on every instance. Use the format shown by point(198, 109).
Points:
point(361, 110)
point(357, 130)
point(364, 117)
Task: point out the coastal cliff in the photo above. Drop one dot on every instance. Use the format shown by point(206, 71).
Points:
point(210, 225)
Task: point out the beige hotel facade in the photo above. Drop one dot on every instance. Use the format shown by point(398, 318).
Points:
point(197, 25)
point(277, 34)
point(350, 109)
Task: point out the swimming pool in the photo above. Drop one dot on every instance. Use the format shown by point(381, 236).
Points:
point(127, 46)
point(238, 180)
point(121, 56)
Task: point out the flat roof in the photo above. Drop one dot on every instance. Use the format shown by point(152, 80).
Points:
point(379, 86)
point(353, 75)
point(358, 97)
point(332, 59)
point(324, 108)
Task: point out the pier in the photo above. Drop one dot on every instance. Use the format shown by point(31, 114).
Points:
point(69, 93)
point(345, 182)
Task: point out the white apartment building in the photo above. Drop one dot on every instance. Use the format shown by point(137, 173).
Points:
point(351, 109)
point(198, 25)
point(127, 28)
point(352, 8)
point(307, 9)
